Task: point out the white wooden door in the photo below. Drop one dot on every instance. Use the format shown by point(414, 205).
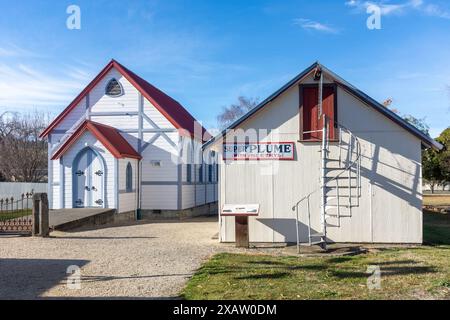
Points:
point(81, 184)
point(88, 180)
point(96, 182)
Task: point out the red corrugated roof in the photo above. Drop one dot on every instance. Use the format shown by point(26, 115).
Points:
point(110, 137)
point(169, 107)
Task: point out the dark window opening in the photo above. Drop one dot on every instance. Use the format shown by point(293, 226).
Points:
point(189, 173)
point(200, 173)
point(113, 88)
point(210, 173)
point(129, 178)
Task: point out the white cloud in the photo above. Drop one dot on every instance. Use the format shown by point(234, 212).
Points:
point(388, 8)
point(10, 50)
point(314, 25)
point(436, 11)
point(25, 87)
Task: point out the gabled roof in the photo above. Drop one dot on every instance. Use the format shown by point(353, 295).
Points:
point(169, 107)
point(426, 140)
point(110, 137)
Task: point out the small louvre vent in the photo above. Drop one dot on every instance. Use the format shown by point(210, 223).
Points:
point(113, 88)
point(155, 163)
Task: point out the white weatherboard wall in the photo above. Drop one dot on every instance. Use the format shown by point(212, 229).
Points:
point(54, 174)
point(196, 192)
point(160, 172)
point(391, 196)
point(127, 200)
point(128, 102)
point(76, 114)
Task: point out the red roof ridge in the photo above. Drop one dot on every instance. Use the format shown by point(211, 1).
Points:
point(168, 106)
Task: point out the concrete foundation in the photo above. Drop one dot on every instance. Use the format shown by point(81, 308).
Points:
point(209, 209)
point(69, 219)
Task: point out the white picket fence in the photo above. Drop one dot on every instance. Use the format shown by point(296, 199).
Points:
point(16, 189)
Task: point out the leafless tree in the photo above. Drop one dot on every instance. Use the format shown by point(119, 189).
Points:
point(23, 156)
point(236, 110)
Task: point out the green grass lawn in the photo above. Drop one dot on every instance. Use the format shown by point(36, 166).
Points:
point(5, 215)
point(406, 273)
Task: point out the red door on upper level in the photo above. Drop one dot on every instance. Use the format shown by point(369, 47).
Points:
point(309, 111)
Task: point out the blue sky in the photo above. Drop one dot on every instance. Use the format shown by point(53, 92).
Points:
point(207, 53)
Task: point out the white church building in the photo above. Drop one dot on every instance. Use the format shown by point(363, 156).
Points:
point(124, 144)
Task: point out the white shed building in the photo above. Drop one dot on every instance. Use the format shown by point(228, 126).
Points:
point(362, 183)
point(124, 144)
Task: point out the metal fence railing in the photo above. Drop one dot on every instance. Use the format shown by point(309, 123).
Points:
point(16, 214)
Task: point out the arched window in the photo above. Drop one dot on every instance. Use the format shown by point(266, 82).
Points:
point(113, 88)
point(129, 178)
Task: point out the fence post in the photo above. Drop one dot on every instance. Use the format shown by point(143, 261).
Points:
point(40, 215)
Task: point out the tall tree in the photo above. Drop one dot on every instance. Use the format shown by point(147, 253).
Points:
point(23, 156)
point(444, 157)
point(419, 123)
point(236, 110)
point(436, 164)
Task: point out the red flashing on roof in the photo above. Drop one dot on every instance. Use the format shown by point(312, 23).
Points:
point(108, 136)
point(170, 108)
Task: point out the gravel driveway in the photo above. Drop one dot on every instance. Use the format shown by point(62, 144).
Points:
point(126, 261)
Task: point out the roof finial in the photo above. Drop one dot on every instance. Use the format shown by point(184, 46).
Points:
point(317, 73)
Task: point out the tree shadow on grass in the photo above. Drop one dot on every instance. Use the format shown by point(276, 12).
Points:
point(385, 263)
point(339, 259)
point(339, 267)
point(276, 275)
point(267, 262)
point(391, 271)
point(436, 228)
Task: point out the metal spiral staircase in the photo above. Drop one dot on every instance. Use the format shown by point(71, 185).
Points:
point(340, 183)
point(340, 178)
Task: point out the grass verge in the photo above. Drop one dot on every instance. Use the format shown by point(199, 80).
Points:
point(6, 215)
point(406, 273)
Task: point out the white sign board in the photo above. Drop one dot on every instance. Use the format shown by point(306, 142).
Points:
point(259, 151)
point(240, 210)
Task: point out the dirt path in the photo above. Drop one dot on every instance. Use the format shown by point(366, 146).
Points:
point(141, 260)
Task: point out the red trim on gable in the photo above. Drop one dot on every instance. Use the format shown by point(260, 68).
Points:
point(108, 136)
point(170, 108)
point(76, 101)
